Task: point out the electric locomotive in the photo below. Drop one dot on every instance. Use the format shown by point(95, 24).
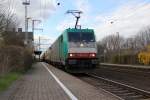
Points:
point(74, 50)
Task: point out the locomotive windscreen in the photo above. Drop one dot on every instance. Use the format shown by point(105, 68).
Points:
point(81, 37)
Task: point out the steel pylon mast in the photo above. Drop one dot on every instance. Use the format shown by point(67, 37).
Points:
point(77, 14)
point(26, 3)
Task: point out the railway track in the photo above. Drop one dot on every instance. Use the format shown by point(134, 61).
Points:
point(121, 91)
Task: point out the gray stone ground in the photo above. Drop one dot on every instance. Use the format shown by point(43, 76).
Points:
point(38, 84)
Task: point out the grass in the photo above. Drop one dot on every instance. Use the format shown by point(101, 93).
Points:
point(8, 79)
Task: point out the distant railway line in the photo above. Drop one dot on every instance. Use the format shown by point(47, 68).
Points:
point(136, 76)
point(122, 91)
point(140, 67)
point(136, 70)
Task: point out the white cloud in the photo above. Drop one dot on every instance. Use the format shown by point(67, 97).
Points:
point(38, 9)
point(127, 20)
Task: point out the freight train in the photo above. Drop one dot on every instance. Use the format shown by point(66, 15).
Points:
point(75, 50)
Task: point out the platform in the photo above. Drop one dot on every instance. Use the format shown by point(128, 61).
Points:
point(44, 82)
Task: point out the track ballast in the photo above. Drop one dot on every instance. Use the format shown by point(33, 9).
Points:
point(122, 91)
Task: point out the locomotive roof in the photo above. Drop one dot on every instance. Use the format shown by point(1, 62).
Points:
point(79, 30)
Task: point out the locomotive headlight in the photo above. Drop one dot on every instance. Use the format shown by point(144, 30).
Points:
point(70, 54)
point(81, 45)
point(92, 54)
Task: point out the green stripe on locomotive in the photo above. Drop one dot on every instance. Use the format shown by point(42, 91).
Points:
point(64, 46)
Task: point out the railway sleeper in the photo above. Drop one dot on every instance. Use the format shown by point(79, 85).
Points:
point(128, 93)
point(120, 91)
point(112, 88)
point(124, 95)
point(106, 84)
point(136, 97)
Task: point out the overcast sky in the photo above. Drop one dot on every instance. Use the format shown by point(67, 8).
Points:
point(128, 16)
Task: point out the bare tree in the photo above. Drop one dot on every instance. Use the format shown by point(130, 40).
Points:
point(10, 42)
point(113, 43)
point(143, 39)
point(8, 20)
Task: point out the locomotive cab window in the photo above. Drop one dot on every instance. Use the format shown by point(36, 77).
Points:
point(87, 37)
point(81, 37)
point(74, 37)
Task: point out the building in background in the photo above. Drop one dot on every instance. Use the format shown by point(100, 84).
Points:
point(30, 37)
